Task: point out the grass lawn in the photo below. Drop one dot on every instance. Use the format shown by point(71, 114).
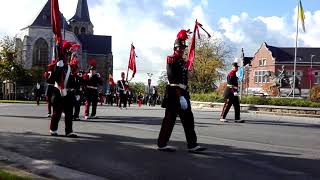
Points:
point(10, 176)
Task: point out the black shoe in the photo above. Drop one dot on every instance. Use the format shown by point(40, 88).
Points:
point(167, 149)
point(196, 149)
point(239, 121)
point(72, 135)
point(76, 119)
point(53, 133)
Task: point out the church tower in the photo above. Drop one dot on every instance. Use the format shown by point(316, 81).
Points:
point(80, 22)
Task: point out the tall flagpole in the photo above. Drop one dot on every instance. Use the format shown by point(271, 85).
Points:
point(295, 53)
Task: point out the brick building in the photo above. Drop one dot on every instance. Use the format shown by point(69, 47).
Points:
point(271, 58)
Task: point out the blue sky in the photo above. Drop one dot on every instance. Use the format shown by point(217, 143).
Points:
point(153, 24)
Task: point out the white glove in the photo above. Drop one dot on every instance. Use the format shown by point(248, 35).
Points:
point(235, 94)
point(60, 63)
point(90, 75)
point(98, 75)
point(77, 97)
point(183, 103)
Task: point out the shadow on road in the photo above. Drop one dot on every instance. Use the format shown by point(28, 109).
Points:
point(127, 157)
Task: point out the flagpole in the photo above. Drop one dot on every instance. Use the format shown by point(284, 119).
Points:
point(295, 52)
point(129, 61)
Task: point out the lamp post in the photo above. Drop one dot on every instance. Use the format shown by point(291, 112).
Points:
point(312, 55)
point(149, 84)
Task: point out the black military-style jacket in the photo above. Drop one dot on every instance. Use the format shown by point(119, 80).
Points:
point(177, 71)
point(78, 83)
point(124, 88)
point(232, 85)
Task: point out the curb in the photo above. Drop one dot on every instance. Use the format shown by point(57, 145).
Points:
point(45, 168)
point(11, 169)
point(259, 112)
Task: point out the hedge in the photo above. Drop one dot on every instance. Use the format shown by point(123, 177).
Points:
point(257, 100)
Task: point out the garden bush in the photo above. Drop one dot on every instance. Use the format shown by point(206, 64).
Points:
point(257, 100)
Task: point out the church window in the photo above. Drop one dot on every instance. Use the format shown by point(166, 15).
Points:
point(76, 30)
point(40, 53)
point(83, 30)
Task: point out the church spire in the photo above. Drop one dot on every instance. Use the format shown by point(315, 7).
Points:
point(82, 12)
point(80, 22)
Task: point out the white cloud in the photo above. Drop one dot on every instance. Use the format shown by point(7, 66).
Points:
point(178, 3)
point(169, 13)
point(249, 32)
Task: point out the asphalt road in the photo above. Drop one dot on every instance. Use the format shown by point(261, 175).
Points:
point(121, 145)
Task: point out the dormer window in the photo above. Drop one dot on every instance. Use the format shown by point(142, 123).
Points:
point(263, 62)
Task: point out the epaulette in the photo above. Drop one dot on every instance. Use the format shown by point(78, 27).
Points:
point(170, 59)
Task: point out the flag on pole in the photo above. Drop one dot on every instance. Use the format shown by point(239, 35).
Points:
point(191, 54)
point(56, 29)
point(132, 60)
point(301, 15)
point(111, 81)
point(55, 21)
point(310, 74)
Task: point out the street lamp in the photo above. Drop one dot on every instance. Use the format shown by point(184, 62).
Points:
point(312, 55)
point(149, 84)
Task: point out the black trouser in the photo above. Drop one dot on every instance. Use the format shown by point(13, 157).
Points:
point(123, 100)
point(62, 104)
point(228, 102)
point(38, 99)
point(77, 105)
point(49, 97)
point(92, 98)
point(187, 120)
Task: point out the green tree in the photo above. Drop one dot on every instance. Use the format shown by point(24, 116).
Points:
point(162, 83)
point(36, 73)
point(210, 58)
point(8, 50)
point(137, 87)
point(10, 69)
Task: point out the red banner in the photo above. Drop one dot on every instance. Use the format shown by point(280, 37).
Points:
point(191, 54)
point(132, 60)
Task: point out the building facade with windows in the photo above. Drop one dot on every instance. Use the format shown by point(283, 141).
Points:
point(271, 58)
point(35, 42)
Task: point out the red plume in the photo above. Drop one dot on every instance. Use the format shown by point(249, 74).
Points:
point(92, 62)
point(74, 62)
point(183, 34)
point(75, 46)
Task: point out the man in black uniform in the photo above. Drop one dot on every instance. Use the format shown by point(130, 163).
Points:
point(50, 85)
point(231, 95)
point(92, 81)
point(63, 93)
point(178, 101)
point(77, 78)
point(123, 88)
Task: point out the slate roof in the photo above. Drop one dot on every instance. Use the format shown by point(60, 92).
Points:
point(96, 44)
point(44, 18)
point(82, 12)
point(286, 54)
point(247, 60)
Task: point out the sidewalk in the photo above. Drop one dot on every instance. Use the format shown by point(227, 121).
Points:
point(27, 167)
point(263, 109)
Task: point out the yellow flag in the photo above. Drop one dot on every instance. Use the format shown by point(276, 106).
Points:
point(301, 15)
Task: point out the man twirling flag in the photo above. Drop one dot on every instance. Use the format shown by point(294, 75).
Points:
point(191, 54)
point(132, 61)
point(56, 28)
